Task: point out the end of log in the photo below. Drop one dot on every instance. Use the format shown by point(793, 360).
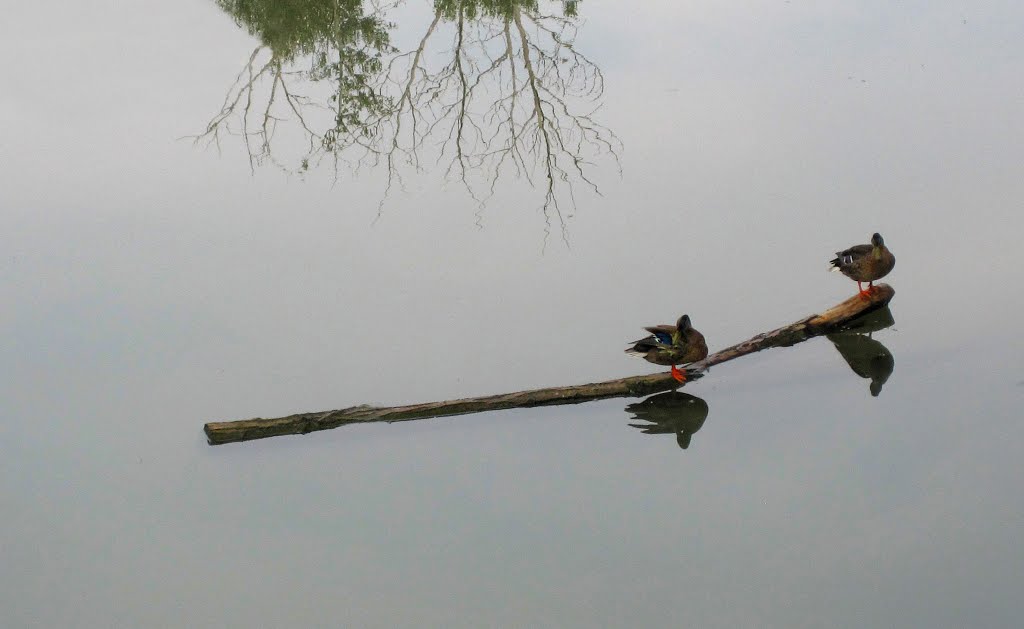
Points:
point(218, 433)
point(855, 306)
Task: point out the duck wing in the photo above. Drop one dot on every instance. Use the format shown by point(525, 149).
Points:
point(850, 257)
point(663, 333)
point(642, 346)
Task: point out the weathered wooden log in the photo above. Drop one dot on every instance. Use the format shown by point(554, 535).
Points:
point(832, 320)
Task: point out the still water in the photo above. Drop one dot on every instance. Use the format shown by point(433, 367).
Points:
point(221, 210)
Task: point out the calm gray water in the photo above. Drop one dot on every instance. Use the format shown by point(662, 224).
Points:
point(149, 284)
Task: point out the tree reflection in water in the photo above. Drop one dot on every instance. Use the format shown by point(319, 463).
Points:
point(510, 95)
point(672, 412)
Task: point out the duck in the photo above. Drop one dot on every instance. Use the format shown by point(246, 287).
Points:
point(671, 345)
point(865, 263)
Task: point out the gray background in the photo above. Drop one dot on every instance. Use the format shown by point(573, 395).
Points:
point(148, 286)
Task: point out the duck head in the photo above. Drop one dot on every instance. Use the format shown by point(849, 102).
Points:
point(876, 245)
point(684, 323)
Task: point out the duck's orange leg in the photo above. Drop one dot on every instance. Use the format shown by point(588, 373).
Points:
point(678, 375)
point(864, 294)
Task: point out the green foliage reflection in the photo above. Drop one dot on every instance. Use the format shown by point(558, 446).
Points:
point(494, 86)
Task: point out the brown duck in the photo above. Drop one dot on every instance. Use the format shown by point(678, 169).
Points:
point(865, 263)
point(671, 345)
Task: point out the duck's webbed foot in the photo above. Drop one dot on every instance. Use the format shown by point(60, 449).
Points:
point(678, 375)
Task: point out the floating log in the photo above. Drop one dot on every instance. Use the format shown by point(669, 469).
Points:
point(832, 320)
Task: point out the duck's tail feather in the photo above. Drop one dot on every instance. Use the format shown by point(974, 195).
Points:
point(641, 347)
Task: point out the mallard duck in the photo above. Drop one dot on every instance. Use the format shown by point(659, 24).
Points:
point(671, 345)
point(865, 263)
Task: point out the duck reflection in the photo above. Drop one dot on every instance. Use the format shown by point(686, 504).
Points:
point(670, 412)
point(866, 356)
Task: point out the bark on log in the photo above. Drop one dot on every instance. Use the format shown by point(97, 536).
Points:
point(832, 320)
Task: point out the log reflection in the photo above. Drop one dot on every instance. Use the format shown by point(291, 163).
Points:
point(866, 356)
point(672, 412)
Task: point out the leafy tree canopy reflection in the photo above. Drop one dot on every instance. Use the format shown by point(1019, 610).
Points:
point(291, 28)
point(494, 87)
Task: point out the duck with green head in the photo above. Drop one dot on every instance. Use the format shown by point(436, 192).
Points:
point(865, 263)
point(671, 345)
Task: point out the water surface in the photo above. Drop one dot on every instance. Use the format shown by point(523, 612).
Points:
point(151, 284)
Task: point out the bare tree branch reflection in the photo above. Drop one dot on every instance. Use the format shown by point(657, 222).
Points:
point(511, 95)
point(305, 42)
